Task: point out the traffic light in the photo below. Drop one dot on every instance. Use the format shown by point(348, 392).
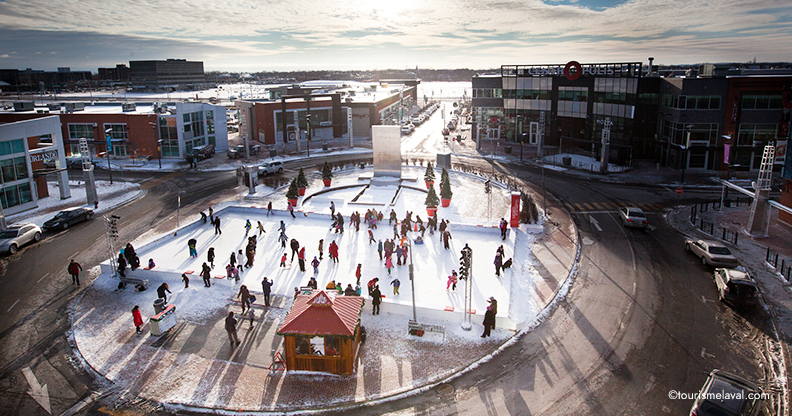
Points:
point(487, 187)
point(464, 263)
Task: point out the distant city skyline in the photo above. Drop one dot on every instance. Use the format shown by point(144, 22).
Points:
point(252, 36)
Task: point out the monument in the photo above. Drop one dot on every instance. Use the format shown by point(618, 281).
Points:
point(386, 145)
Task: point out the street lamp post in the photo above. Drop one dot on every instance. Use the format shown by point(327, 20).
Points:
point(178, 208)
point(109, 146)
point(159, 151)
point(412, 280)
point(685, 150)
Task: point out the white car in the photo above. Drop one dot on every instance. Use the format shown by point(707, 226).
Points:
point(267, 168)
point(17, 236)
point(633, 217)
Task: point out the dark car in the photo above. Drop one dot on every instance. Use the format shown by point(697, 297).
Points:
point(725, 394)
point(67, 218)
point(238, 151)
point(201, 152)
point(736, 287)
point(72, 162)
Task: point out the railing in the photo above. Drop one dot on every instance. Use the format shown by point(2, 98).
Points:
point(707, 226)
point(785, 269)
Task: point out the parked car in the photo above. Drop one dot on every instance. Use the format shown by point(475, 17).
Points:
point(201, 152)
point(633, 217)
point(17, 236)
point(236, 152)
point(736, 287)
point(67, 218)
point(267, 168)
point(726, 394)
point(72, 162)
point(711, 252)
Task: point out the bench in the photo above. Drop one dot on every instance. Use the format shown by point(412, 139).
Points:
point(418, 329)
point(134, 281)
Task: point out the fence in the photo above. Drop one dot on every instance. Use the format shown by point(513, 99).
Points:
point(707, 226)
point(785, 269)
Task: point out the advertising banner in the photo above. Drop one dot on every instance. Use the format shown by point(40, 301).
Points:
point(514, 218)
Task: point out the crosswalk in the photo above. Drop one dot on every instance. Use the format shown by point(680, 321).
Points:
point(612, 206)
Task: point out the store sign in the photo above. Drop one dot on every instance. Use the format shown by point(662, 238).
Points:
point(40, 157)
point(574, 70)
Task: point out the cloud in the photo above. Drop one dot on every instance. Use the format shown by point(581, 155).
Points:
point(5, 55)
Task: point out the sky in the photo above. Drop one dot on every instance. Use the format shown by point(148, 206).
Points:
point(267, 35)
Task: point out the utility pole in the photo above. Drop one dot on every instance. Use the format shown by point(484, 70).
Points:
point(466, 274)
point(111, 232)
point(607, 124)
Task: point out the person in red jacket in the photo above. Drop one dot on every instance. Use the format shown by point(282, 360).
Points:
point(74, 270)
point(137, 319)
point(334, 251)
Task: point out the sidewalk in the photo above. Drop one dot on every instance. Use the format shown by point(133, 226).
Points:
point(193, 366)
point(751, 251)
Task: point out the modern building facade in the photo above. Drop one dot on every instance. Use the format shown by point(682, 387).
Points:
point(175, 74)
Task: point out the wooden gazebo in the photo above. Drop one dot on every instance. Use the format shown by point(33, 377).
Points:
point(322, 332)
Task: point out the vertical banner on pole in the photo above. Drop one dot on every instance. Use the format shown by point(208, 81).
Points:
point(515, 209)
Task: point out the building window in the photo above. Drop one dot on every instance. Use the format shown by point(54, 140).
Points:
point(9, 147)
point(79, 131)
point(119, 136)
point(754, 133)
point(170, 137)
point(210, 122)
point(761, 102)
point(13, 169)
point(14, 195)
point(692, 102)
point(487, 93)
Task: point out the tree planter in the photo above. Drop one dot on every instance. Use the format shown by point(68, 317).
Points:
point(293, 202)
point(301, 191)
point(327, 182)
point(430, 211)
point(429, 184)
point(445, 202)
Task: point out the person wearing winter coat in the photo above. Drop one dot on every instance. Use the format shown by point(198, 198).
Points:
point(315, 264)
point(358, 273)
point(266, 286)
point(232, 260)
point(269, 209)
point(206, 273)
point(371, 283)
point(377, 299)
point(191, 243)
point(282, 227)
point(340, 223)
point(452, 280)
point(371, 237)
point(321, 248)
point(498, 264)
point(503, 227)
point(137, 319)
point(151, 264)
point(161, 292)
point(301, 259)
point(392, 217)
point(248, 226)
point(260, 228)
point(282, 238)
point(446, 238)
point(295, 247)
point(283, 260)
point(398, 256)
point(121, 265)
point(489, 322)
point(334, 251)
point(312, 283)
point(232, 271)
point(396, 283)
point(230, 327)
point(290, 208)
point(244, 295)
point(217, 225)
point(210, 256)
point(331, 285)
point(240, 259)
point(379, 249)
point(74, 270)
point(388, 264)
point(332, 208)
point(186, 280)
point(349, 291)
point(131, 256)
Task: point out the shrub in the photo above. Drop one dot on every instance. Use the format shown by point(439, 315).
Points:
point(429, 175)
point(293, 193)
point(431, 198)
point(302, 181)
point(327, 173)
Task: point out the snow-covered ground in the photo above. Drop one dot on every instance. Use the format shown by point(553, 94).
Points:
point(589, 163)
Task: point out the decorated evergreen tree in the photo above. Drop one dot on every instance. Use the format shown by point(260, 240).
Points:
point(431, 198)
point(302, 181)
point(445, 188)
point(293, 193)
point(429, 176)
point(327, 173)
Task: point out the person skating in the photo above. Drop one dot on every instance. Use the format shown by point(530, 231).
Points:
point(379, 249)
point(248, 226)
point(321, 248)
point(295, 247)
point(503, 227)
point(121, 265)
point(230, 326)
point(232, 272)
point(498, 264)
point(371, 283)
point(396, 283)
point(74, 270)
point(332, 208)
point(446, 238)
point(301, 259)
point(269, 209)
point(203, 217)
point(161, 292)
point(388, 264)
point(282, 227)
point(371, 237)
point(266, 286)
point(340, 223)
point(284, 257)
point(452, 280)
point(240, 259)
point(358, 273)
point(260, 228)
point(137, 319)
point(315, 263)
point(186, 280)
point(442, 227)
point(210, 256)
point(494, 305)
point(334, 251)
point(191, 244)
point(211, 215)
point(489, 322)
point(232, 260)
point(244, 295)
point(399, 255)
point(376, 300)
point(217, 225)
point(206, 273)
point(131, 256)
point(290, 208)
point(283, 238)
point(392, 218)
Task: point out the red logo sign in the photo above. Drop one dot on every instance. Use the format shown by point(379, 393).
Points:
point(573, 70)
point(678, 191)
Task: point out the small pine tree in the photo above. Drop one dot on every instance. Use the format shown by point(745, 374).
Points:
point(444, 176)
point(445, 187)
point(293, 193)
point(327, 173)
point(429, 176)
point(431, 198)
point(302, 181)
point(525, 210)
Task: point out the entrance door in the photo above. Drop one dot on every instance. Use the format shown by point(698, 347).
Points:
point(534, 133)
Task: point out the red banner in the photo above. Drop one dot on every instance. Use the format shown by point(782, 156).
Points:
point(515, 210)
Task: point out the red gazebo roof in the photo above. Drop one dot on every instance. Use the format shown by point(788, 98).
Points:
point(321, 313)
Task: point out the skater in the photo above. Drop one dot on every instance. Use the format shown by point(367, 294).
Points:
point(334, 251)
point(121, 265)
point(74, 270)
point(203, 217)
point(206, 273)
point(191, 243)
point(379, 249)
point(186, 280)
point(295, 247)
point(358, 273)
point(301, 259)
point(340, 223)
point(217, 225)
point(503, 227)
point(507, 264)
point(232, 260)
point(452, 280)
point(290, 208)
point(251, 316)
point(266, 286)
point(269, 209)
point(315, 264)
point(371, 283)
point(282, 238)
point(211, 215)
point(321, 249)
point(247, 227)
point(137, 319)
point(230, 326)
point(131, 256)
point(240, 265)
point(396, 283)
point(498, 263)
point(283, 260)
point(210, 256)
point(446, 238)
point(282, 227)
point(399, 255)
point(392, 218)
point(371, 237)
point(161, 292)
point(232, 272)
point(489, 322)
point(332, 208)
point(500, 250)
point(151, 264)
point(377, 299)
point(244, 295)
point(388, 264)
point(260, 228)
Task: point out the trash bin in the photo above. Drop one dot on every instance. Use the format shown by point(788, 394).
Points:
point(567, 161)
point(159, 305)
point(163, 321)
point(272, 153)
point(324, 146)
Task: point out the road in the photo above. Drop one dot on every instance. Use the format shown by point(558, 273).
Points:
point(641, 319)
